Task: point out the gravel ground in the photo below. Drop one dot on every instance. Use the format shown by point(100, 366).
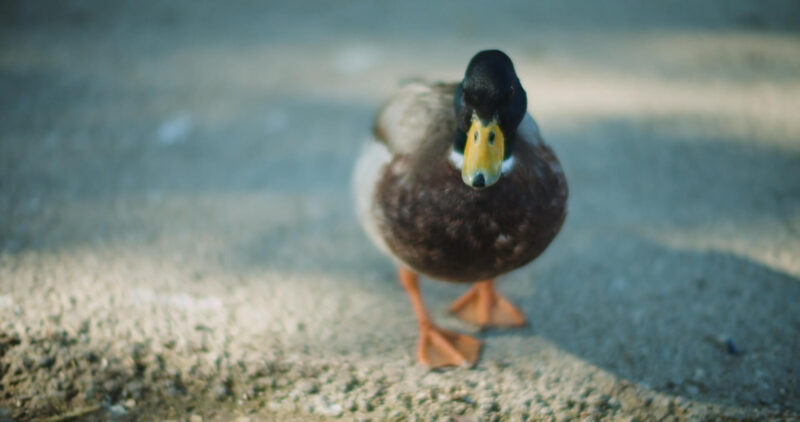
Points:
point(177, 239)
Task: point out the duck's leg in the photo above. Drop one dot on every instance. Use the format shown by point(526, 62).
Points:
point(484, 307)
point(437, 347)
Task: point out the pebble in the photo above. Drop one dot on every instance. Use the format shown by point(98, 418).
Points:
point(90, 392)
point(134, 389)
point(47, 362)
point(117, 411)
point(364, 404)
point(222, 391)
point(487, 407)
point(334, 410)
point(175, 129)
point(375, 392)
point(730, 346)
point(307, 387)
point(329, 409)
point(348, 384)
point(466, 398)
point(600, 400)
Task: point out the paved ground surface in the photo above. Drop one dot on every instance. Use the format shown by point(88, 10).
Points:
point(177, 238)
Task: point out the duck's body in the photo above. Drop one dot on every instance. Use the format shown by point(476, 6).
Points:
point(432, 211)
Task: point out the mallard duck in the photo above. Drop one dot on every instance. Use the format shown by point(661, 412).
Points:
point(457, 185)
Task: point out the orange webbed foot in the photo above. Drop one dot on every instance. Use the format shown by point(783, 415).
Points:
point(438, 348)
point(484, 307)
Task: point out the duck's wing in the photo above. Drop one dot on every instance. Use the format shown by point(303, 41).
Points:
point(417, 114)
point(406, 125)
point(528, 132)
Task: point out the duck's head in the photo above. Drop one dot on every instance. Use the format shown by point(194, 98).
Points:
point(489, 104)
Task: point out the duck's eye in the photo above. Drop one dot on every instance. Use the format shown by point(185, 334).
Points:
point(475, 136)
point(491, 138)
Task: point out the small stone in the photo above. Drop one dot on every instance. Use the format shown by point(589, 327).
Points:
point(90, 392)
point(47, 362)
point(682, 403)
point(195, 418)
point(488, 407)
point(91, 357)
point(134, 389)
point(307, 387)
point(221, 391)
point(664, 401)
point(176, 388)
point(593, 412)
point(731, 348)
point(175, 129)
point(117, 411)
point(600, 400)
point(699, 374)
point(404, 400)
point(333, 409)
point(348, 384)
point(364, 404)
point(466, 398)
point(27, 362)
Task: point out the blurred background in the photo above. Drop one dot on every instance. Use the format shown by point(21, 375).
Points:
point(177, 237)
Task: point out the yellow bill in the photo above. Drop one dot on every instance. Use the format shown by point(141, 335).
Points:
point(483, 154)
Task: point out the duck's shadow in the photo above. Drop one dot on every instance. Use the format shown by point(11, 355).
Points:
point(683, 322)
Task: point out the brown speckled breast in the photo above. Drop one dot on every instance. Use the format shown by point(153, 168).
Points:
point(442, 228)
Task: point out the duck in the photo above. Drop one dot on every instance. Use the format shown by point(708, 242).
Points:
point(456, 184)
